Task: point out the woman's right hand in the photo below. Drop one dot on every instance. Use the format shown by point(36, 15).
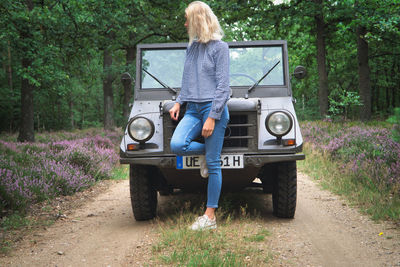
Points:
point(174, 111)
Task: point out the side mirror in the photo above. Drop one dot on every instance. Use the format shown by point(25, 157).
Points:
point(300, 72)
point(126, 79)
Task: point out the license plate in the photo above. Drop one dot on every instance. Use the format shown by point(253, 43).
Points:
point(232, 161)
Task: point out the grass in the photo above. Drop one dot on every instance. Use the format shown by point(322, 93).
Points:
point(9, 225)
point(14, 222)
point(258, 237)
point(120, 172)
point(239, 240)
point(14, 226)
point(377, 201)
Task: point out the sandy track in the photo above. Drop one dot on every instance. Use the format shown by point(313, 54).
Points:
point(325, 232)
point(102, 233)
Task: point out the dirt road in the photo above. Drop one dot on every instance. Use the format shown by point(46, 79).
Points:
point(325, 232)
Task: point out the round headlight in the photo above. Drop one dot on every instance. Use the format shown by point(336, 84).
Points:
point(141, 129)
point(278, 123)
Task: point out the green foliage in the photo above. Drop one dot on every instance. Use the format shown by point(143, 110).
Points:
point(64, 43)
point(395, 120)
point(306, 106)
point(258, 237)
point(13, 222)
point(341, 101)
point(120, 172)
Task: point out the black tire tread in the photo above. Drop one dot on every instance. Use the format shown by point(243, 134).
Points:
point(285, 190)
point(143, 192)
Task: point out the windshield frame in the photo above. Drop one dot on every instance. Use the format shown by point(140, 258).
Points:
point(238, 91)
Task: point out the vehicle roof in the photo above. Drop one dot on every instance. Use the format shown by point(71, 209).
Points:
point(230, 44)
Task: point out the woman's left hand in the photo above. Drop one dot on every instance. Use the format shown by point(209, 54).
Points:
point(208, 127)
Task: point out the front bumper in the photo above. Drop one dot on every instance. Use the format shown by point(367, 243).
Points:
point(255, 160)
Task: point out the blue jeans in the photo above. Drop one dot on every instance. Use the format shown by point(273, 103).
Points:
point(190, 128)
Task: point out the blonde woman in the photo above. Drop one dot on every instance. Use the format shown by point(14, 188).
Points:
point(205, 89)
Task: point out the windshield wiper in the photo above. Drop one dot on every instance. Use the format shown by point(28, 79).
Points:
point(160, 82)
point(262, 78)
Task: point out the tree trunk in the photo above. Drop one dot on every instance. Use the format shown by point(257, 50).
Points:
point(26, 130)
point(364, 83)
point(71, 113)
point(107, 91)
point(59, 122)
point(388, 94)
point(130, 57)
point(10, 84)
point(83, 109)
point(387, 108)
point(394, 90)
point(321, 62)
point(38, 121)
point(377, 97)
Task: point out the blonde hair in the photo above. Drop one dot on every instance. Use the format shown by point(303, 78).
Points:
point(203, 25)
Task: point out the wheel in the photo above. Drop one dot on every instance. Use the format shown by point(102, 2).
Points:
point(284, 191)
point(267, 175)
point(143, 192)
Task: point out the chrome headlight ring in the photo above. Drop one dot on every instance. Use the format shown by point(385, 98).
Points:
point(140, 129)
point(279, 123)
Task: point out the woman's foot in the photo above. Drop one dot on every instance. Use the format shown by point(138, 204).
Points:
point(203, 169)
point(204, 223)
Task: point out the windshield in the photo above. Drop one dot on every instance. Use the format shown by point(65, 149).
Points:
point(247, 66)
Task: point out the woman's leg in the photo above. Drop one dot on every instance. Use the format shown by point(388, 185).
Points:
point(213, 149)
point(188, 129)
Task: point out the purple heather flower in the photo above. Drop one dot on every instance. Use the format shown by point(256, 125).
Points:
point(33, 171)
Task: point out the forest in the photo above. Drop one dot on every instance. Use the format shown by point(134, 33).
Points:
point(62, 60)
point(65, 100)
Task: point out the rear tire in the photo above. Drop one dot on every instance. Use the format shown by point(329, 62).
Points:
point(143, 192)
point(285, 190)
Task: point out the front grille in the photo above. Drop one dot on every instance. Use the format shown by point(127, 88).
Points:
point(241, 132)
point(237, 131)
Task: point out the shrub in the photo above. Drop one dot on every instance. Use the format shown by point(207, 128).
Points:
point(340, 102)
point(366, 152)
point(395, 120)
point(32, 172)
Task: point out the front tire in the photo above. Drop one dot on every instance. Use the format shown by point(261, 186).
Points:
point(143, 192)
point(284, 192)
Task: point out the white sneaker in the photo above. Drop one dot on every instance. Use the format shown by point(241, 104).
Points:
point(204, 223)
point(203, 169)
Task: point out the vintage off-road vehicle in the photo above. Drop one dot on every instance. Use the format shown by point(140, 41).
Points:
point(263, 137)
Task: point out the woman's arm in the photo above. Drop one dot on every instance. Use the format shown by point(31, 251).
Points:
point(222, 91)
